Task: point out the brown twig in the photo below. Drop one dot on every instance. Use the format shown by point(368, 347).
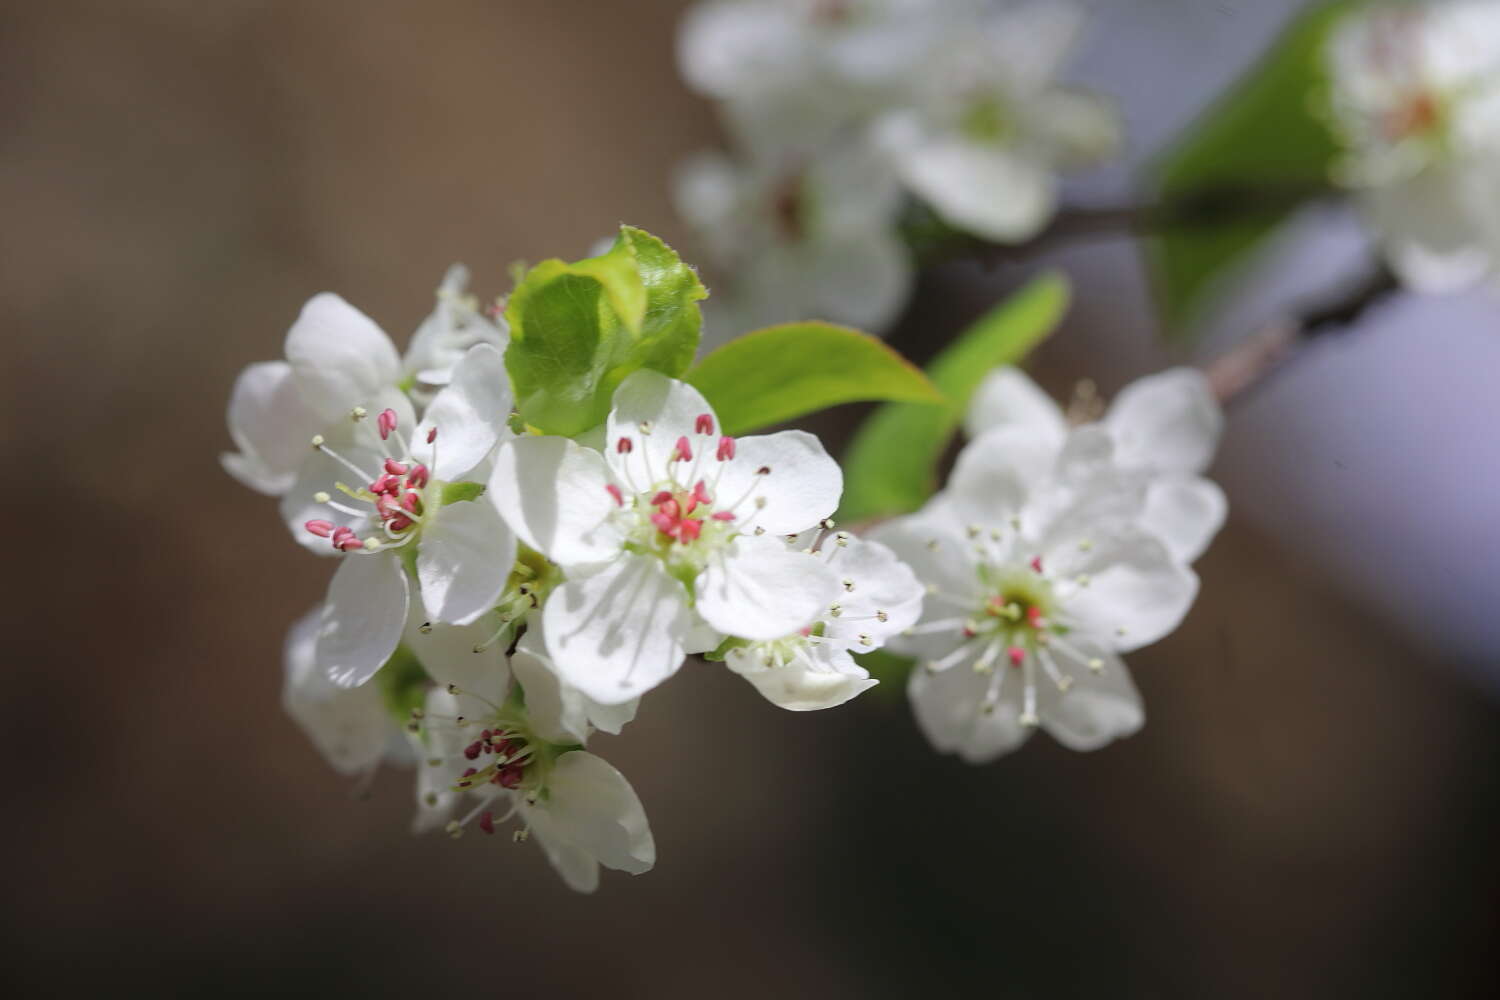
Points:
point(1253, 361)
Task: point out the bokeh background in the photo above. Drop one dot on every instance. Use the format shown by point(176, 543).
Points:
point(1309, 812)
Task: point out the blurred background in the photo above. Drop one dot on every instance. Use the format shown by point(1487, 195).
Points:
point(1309, 812)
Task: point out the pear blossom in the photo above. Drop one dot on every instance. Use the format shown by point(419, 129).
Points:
point(1165, 429)
point(981, 141)
point(408, 494)
point(502, 755)
point(1038, 577)
point(1416, 103)
point(813, 668)
point(337, 359)
point(790, 73)
point(804, 237)
point(669, 539)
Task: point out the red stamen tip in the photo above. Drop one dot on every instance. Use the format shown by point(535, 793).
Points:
point(684, 451)
point(1017, 655)
point(624, 446)
point(704, 424)
point(432, 435)
point(614, 491)
point(320, 528)
point(394, 467)
point(726, 448)
point(1036, 563)
point(386, 423)
point(487, 822)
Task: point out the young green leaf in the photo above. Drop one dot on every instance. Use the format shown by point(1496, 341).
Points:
point(891, 465)
point(1243, 167)
point(578, 329)
point(785, 371)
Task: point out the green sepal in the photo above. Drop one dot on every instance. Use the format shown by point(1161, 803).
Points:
point(722, 650)
point(891, 465)
point(786, 371)
point(459, 491)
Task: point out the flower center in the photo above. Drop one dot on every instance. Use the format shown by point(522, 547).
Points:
point(679, 513)
point(392, 502)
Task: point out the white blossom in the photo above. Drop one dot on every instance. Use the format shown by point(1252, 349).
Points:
point(337, 359)
point(669, 539)
point(801, 237)
point(813, 668)
point(1038, 577)
point(1165, 429)
point(399, 499)
point(982, 140)
point(1416, 103)
point(501, 757)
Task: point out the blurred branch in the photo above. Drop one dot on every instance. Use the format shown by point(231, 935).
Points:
point(1256, 358)
point(1081, 223)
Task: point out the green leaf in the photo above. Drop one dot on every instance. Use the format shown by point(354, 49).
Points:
point(891, 465)
point(460, 491)
point(578, 329)
point(1258, 153)
point(785, 371)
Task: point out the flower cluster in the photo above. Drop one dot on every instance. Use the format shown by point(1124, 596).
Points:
point(842, 110)
point(501, 593)
point(1416, 104)
point(1054, 549)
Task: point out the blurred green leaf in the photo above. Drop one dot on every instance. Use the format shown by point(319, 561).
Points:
point(891, 465)
point(785, 371)
point(1245, 165)
point(403, 683)
point(577, 329)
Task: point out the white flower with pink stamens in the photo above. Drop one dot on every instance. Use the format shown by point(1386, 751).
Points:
point(670, 539)
point(389, 504)
point(504, 755)
point(1165, 429)
point(1038, 577)
point(337, 360)
point(813, 668)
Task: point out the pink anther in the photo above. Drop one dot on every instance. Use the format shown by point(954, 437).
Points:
point(386, 422)
point(320, 528)
point(683, 452)
point(726, 448)
point(614, 491)
point(704, 424)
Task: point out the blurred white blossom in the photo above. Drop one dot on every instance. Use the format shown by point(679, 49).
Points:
point(1416, 102)
point(1051, 551)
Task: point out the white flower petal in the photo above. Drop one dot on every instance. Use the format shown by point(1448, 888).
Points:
point(885, 599)
point(469, 415)
point(670, 409)
point(464, 556)
point(998, 473)
point(761, 589)
point(617, 634)
point(436, 796)
point(992, 192)
point(270, 425)
point(579, 870)
point(554, 495)
point(340, 356)
point(1136, 592)
point(1185, 513)
point(1428, 226)
point(1101, 706)
point(350, 728)
point(593, 807)
point(948, 708)
point(799, 487)
point(447, 653)
point(363, 618)
point(1009, 398)
point(860, 278)
point(1167, 422)
point(727, 49)
point(558, 707)
point(825, 678)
